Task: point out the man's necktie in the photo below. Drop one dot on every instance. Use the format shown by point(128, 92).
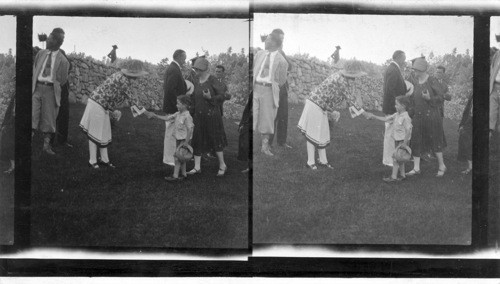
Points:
point(265, 69)
point(48, 66)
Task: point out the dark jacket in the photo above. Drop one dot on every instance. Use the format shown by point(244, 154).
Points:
point(173, 86)
point(394, 85)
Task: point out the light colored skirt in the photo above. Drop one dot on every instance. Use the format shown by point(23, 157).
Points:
point(388, 145)
point(314, 125)
point(96, 124)
point(169, 143)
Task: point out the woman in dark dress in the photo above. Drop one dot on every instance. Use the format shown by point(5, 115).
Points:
point(8, 139)
point(465, 137)
point(427, 135)
point(208, 134)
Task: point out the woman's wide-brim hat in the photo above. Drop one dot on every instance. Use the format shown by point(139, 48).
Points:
point(201, 64)
point(134, 68)
point(420, 64)
point(353, 69)
point(402, 153)
point(114, 46)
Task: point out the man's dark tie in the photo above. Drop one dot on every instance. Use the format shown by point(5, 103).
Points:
point(265, 69)
point(48, 66)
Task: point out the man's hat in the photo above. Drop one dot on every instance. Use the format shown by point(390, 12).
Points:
point(352, 69)
point(134, 69)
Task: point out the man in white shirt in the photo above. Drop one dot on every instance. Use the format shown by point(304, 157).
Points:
point(270, 73)
point(50, 71)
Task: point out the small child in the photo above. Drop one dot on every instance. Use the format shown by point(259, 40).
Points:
point(183, 130)
point(401, 133)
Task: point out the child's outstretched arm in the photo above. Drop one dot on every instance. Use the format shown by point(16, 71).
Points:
point(381, 118)
point(164, 117)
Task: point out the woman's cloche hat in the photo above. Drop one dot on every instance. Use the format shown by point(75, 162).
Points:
point(420, 64)
point(134, 68)
point(201, 63)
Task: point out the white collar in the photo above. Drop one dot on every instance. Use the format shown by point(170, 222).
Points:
point(177, 63)
point(399, 67)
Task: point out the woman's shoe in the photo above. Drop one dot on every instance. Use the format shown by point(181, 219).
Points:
point(390, 179)
point(221, 172)
point(194, 171)
point(467, 171)
point(312, 167)
point(9, 171)
point(327, 165)
point(412, 173)
point(94, 165)
point(440, 173)
point(106, 164)
point(173, 179)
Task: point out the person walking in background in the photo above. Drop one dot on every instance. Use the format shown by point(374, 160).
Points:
point(173, 87)
point(394, 86)
point(208, 134)
point(95, 122)
point(336, 55)
point(50, 72)
point(270, 72)
point(281, 121)
point(112, 54)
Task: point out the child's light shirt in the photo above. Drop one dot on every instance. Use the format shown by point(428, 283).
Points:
point(183, 122)
point(401, 125)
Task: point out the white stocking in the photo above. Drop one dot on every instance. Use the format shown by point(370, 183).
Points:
point(322, 156)
point(310, 153)
point(92, 152)
point(104, 154)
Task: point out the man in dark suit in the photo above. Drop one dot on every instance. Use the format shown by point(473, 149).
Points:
point(281, 121)
point(173, 86)
point(50, 72)
point(394, 85)
point(220, 75)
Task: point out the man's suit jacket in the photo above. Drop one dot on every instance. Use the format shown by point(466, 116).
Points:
point(278, 72)
point(394, 85)
point(494, 68)
point(173, 86)
point(61, 70)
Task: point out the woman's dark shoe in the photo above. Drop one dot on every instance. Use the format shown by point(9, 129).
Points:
point(327, 165)
point(194, 171)
point(94, 165)
point(412, 173)
point(9, 171)
point(312, 167)
point(173, 179)
point(106, 164)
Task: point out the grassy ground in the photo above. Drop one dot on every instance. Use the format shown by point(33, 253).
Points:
point(6, 206)
point(351, 204)
point(132, 205)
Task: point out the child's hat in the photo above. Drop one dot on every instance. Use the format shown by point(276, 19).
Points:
point(402, 153)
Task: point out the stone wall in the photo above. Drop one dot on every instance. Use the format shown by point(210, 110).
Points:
point(87, 74)
point(308, 73)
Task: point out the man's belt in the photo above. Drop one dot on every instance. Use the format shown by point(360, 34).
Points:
point(45, 83)
point(263, 84)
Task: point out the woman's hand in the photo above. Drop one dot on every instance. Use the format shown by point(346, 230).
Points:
point(206, 94)
point(426, 95)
